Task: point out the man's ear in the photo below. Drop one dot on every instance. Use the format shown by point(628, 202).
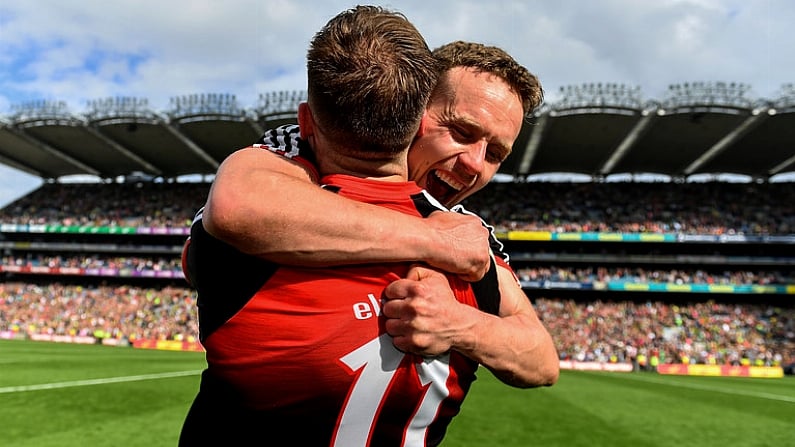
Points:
point(306, 121)
point(423, 121)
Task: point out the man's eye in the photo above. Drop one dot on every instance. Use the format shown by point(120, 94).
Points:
point(495, 156)
point(461, 133)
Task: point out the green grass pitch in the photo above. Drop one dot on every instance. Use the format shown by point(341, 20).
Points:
point(71, 395)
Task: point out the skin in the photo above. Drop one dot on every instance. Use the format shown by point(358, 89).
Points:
point(463, 138)
point(263, 205)
point(467, 135)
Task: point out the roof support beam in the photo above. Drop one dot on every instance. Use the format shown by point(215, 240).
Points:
point(629, 142)
point(152, 169)
point(54, 152)
point(191, 145)
point(16, 164)
point(532, 146)
point(727, 141)
point(255, 125)
point(782, 166)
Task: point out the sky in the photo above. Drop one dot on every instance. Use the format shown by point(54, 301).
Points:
point(80, 50)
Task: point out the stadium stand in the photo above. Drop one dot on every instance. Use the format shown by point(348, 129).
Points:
point(621, 272)
point(109, 267)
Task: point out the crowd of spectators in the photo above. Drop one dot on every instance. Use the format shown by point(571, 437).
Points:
point(587, 274)
point(715, 208)
point(122, 312)
point(641, 275)
point(699, 332)
point(596, 331)
point(605, 331)
point(95, 261)
point(689, 208)
point(140, 204)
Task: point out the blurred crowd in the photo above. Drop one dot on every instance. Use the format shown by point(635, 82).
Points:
point(689, 208)
point(618, 331)
point(700, 332)
point(599, 331)
point(640, 275)
point(103, 311)
point(144, 204)
point(587, 274)
point(95, 261)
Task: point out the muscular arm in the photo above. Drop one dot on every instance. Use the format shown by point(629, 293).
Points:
point(424, 318)
point(517, 348)
point(266, 205)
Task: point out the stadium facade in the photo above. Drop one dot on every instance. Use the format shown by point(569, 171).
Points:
point(598, 130)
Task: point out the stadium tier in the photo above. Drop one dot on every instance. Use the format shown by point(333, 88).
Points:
point(676, 271)
point(658, 237)
point(620, 272)
point(596, 129)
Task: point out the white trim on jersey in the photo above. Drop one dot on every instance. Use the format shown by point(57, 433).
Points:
point(198, 216)
point(501, 247)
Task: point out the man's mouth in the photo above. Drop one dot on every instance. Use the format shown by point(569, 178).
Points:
point(443, 187)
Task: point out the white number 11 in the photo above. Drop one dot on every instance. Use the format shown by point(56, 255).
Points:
point(378, 360)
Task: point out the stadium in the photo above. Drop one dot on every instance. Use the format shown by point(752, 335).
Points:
point(688, 274)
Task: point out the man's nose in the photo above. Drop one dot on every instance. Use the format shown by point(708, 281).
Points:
point(473, 158)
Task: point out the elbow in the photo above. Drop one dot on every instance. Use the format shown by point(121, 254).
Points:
point(550, 373)
point(544, 372)
point(218, 221)
point(225, 220)
point(546, 376)
point(541, 374)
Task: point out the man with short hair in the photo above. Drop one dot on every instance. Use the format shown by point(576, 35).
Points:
point(472, 120)
point(305, 355)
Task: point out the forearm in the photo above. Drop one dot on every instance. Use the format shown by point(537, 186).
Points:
point(515, 346)
point(268, 207)
point(515, 349)
point(348, 233)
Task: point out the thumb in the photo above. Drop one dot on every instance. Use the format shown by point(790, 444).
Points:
point(420, 272)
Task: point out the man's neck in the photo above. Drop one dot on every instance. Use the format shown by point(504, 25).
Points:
point(389, 170)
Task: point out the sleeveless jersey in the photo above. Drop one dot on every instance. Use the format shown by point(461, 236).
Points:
point(301, 354)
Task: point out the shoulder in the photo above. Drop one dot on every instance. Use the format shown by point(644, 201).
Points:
point(497, 247)
point(285, 140)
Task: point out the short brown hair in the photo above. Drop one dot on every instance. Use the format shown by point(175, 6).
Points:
point(496, 61)
point(370, 75)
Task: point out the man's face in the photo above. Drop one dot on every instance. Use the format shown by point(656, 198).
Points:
point(466, 135)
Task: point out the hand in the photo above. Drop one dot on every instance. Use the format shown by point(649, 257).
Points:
point(421, 312)
point(464, 245)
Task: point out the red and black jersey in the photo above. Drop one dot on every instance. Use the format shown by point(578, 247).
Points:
point(300, 355)
point(286, 141)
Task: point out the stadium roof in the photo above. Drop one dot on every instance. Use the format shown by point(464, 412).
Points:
point(594, 129)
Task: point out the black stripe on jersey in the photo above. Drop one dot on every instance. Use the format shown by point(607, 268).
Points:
point(225, 279)
point(424, 205)
point(271, 138)
point(487, 290)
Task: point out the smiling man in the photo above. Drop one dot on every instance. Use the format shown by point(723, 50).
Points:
point(473, 119)
point(471, 122)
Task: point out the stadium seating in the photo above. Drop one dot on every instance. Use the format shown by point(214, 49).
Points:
point(700, 273)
